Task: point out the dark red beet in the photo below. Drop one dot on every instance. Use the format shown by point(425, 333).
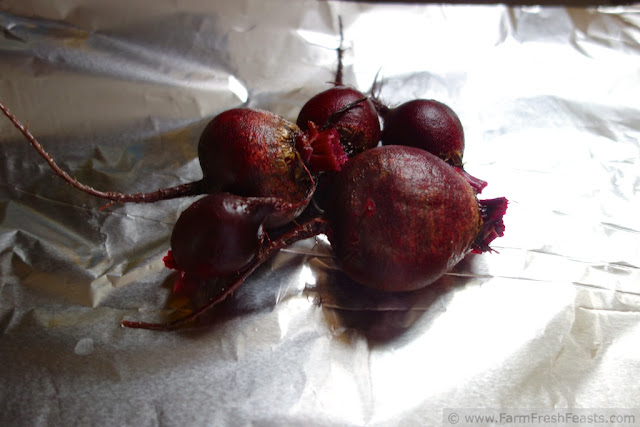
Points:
point(252, 153)
point(219, 234)
point(349, 112)
point(427, 124)
point(401, 217)
point(431, 126)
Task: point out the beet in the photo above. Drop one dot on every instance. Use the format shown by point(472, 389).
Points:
point(344, 108)
point(431, 126)
point(401, 217)
point(219, 234)
point(348, 111)
point(427, 124)
point(253, 153)
point(397, 216)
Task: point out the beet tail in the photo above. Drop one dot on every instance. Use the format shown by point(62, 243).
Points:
point(189, 189)
point(492, 211)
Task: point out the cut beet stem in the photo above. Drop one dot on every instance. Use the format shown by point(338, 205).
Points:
point(476, 183)
point(492, 211)
point(321, 150)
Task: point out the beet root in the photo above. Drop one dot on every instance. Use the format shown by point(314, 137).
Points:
point(252, 153)
point(427, 124)
point(219, 234)
point(348, 111)
point(344, 108)
point(401, 217)
point(431, 126)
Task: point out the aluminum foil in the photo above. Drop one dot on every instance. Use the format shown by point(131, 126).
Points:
point(118, 92)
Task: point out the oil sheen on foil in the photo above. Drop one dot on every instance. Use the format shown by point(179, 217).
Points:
point(118, 93)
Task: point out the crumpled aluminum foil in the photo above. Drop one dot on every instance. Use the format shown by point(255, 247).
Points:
point(118, 93)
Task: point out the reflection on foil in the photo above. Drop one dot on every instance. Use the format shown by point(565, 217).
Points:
point(119, 94)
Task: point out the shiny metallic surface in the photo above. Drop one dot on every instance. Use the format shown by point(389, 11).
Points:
point(118, 93)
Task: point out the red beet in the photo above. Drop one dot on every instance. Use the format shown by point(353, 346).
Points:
point(401, 217)
point(219, 234)
point(348, 111)
point(427, 124)
point(344, 108)
point(431, 126)
point(253, 153)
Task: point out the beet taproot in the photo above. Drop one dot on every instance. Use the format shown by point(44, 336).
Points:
point(401, 217)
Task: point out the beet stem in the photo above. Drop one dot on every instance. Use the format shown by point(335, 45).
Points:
point(492, 211)
point(376, 86)
point(476, 183)
point(190, 189)
point(340, 53)
point(381, 108)
point(311, 228)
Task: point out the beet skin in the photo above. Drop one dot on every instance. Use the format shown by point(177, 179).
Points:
point(219, 234)
point(427, 124)
point(401, 217)
point(252, 153)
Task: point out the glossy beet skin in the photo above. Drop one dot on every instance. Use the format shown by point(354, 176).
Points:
point(339, 107)
point(426, 124)
point(219, 234)
point(401, 217)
